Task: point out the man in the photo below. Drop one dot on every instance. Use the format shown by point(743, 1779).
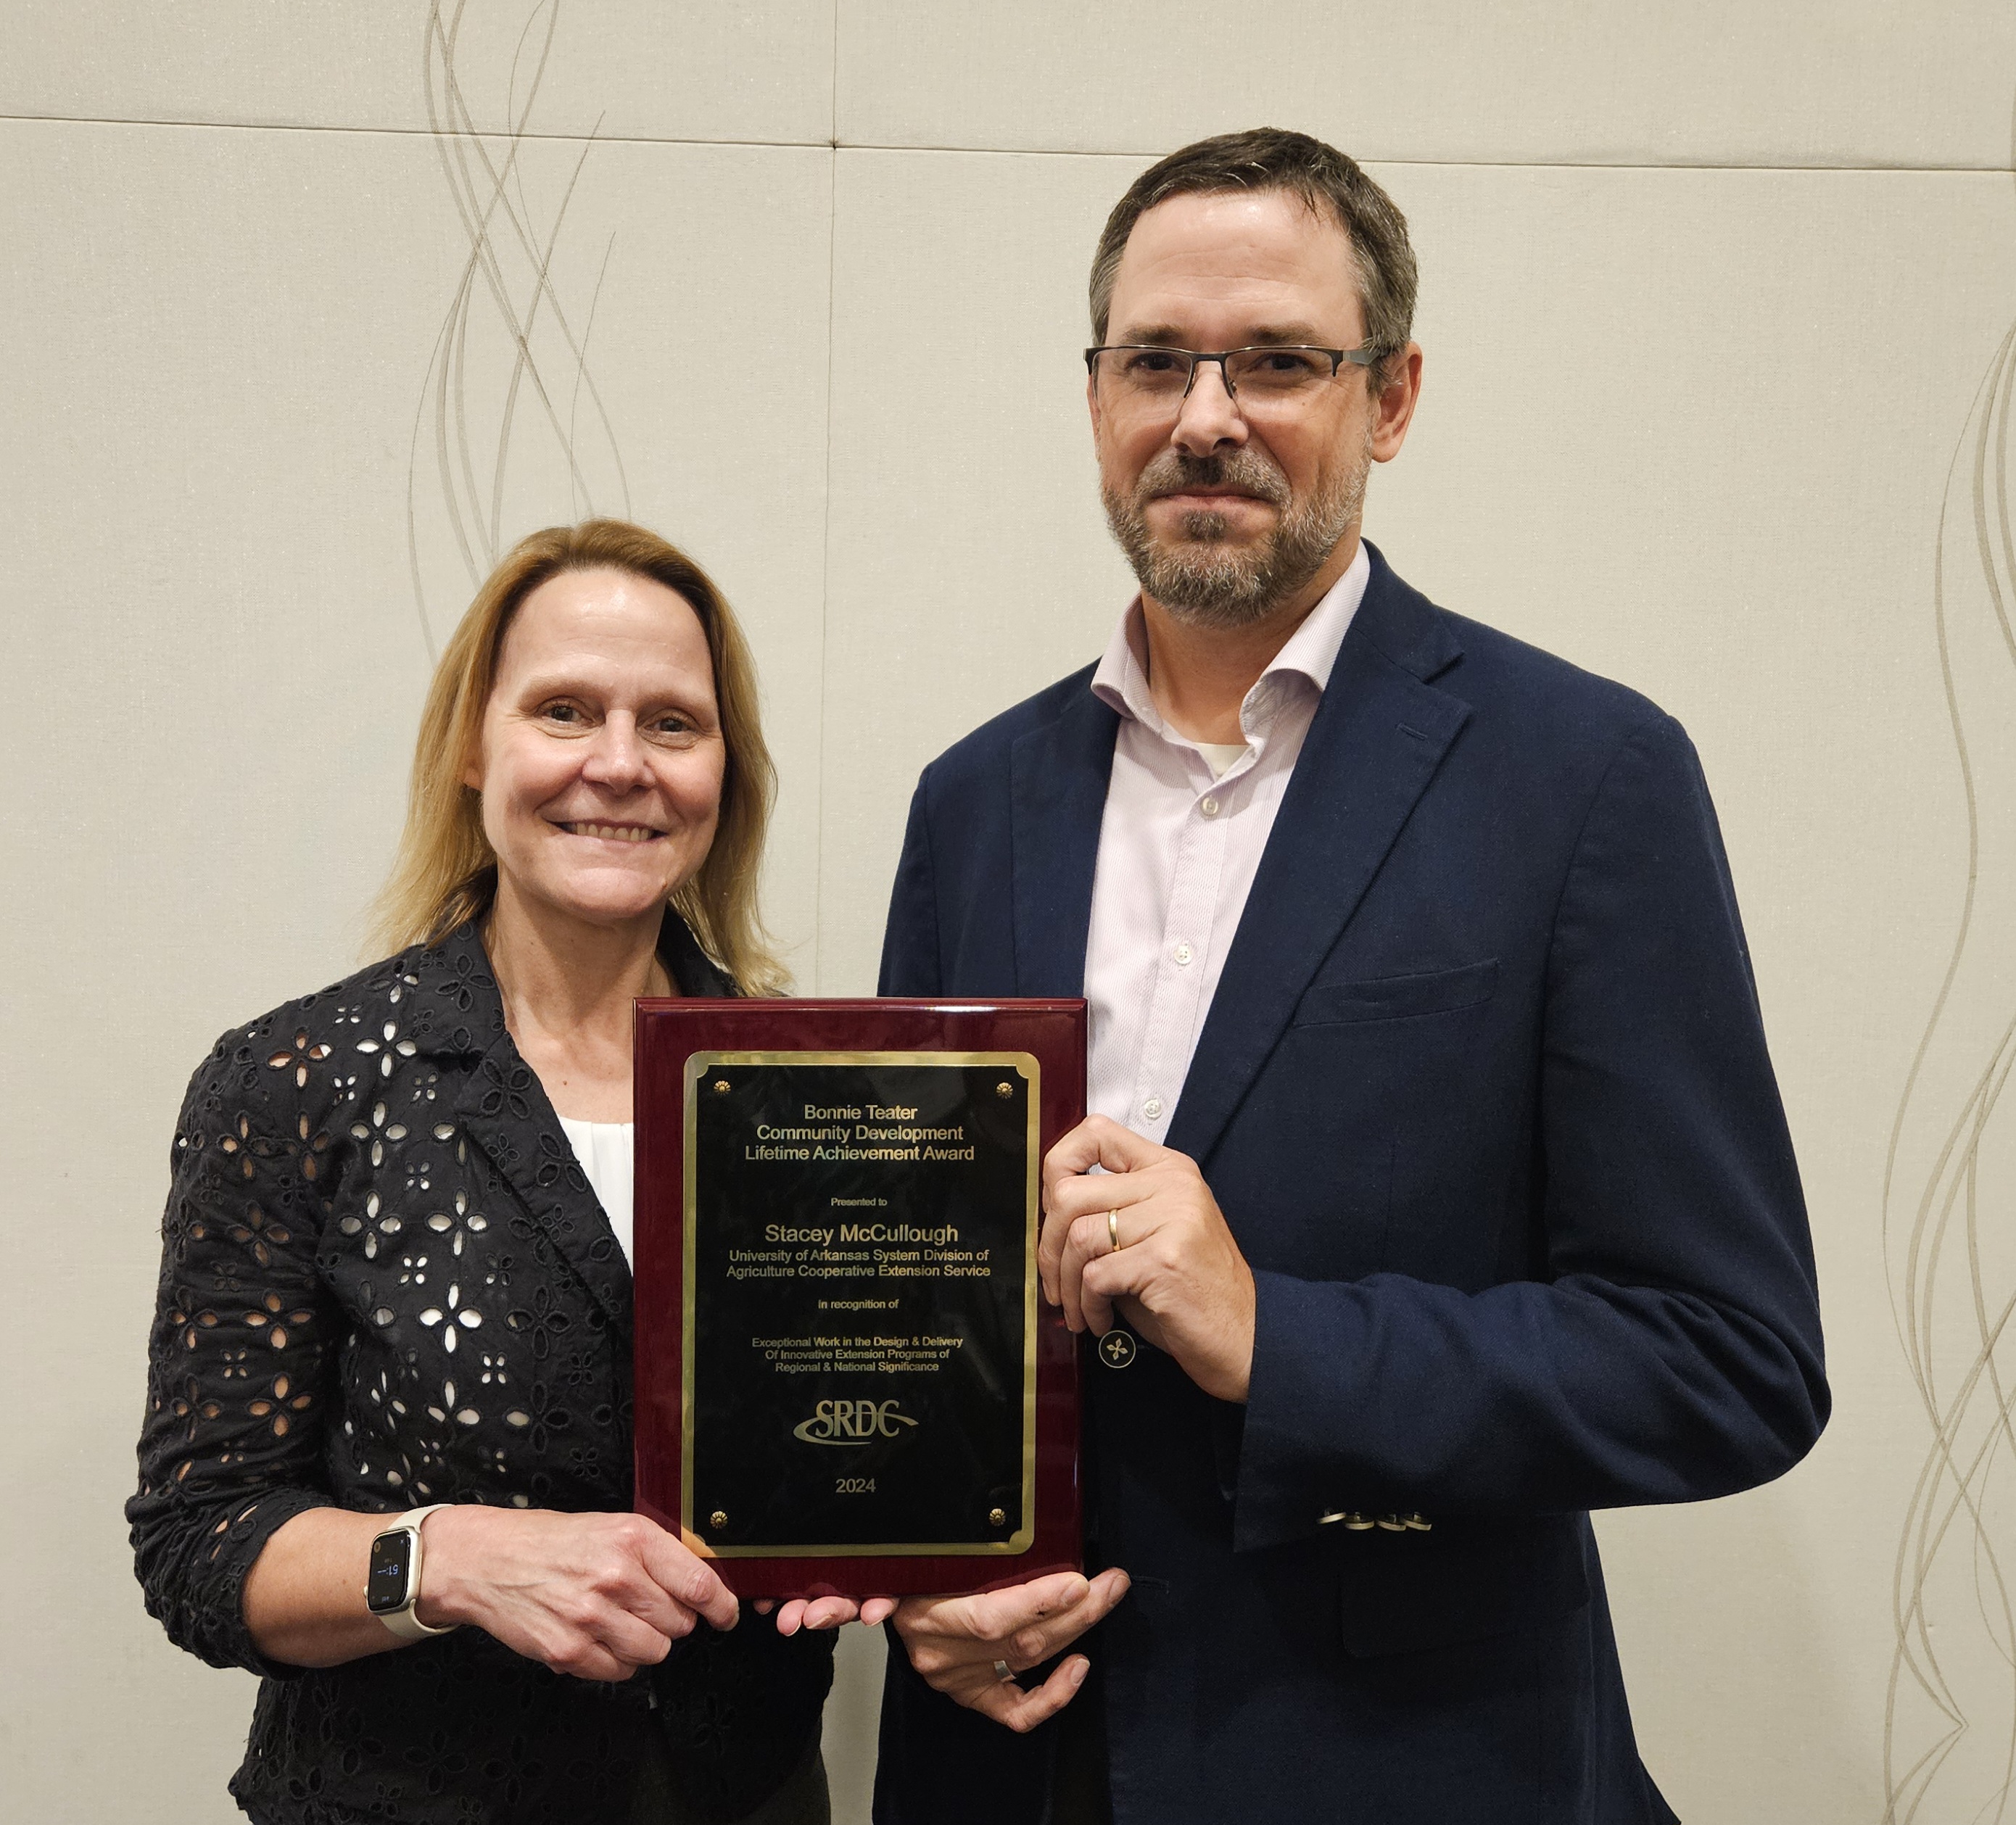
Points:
point(1446, 1194)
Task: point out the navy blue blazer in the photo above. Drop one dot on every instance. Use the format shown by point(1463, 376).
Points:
point(1485, 1097)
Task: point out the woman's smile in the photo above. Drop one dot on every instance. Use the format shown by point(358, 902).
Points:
point(612, 833)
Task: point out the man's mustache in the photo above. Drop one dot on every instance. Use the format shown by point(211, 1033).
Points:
point(1245, 471)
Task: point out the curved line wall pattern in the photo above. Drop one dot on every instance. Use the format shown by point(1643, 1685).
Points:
point(1949, 1735)
point(508, 362)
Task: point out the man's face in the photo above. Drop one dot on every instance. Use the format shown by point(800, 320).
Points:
point(1228, 508)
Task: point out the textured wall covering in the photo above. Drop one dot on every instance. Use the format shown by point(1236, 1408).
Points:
point(308, 307)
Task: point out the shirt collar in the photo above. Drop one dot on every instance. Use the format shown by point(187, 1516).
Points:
point(1121, 682)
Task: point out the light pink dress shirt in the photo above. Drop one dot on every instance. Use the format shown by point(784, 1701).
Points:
point(1179, 846)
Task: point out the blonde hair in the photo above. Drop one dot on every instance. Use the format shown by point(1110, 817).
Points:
point(445, 872)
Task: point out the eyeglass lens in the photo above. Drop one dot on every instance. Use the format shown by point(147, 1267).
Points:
point(1253, 376)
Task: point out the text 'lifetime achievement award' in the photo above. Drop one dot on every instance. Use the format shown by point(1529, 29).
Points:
point(846, 1378)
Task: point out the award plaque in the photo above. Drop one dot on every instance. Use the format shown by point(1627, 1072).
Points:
point(847, 1379)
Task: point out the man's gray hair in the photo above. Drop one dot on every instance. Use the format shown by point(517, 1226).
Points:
point(1269, 158)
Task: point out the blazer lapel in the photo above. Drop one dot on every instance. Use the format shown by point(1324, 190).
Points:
point(503, 1109)
point(1376, 741)
point(1057, 786)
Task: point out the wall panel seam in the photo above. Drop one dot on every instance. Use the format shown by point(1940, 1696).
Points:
point(526, 138)
point(826, 504)
point(838, 145)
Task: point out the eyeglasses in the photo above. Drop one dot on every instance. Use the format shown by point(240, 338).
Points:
point(1274, 377)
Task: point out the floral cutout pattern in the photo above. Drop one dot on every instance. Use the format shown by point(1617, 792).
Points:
point(385, 1282)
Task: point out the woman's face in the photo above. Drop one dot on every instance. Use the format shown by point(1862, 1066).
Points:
point(602, 757)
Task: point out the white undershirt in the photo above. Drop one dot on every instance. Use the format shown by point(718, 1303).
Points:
point(1221, 757)
point(607, 1151)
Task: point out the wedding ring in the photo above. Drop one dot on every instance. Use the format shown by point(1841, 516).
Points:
point(1004, 1672)
point(1112, 1228)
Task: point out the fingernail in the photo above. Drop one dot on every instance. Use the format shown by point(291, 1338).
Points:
point(1078, 1673)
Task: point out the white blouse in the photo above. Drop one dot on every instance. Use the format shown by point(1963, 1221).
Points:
point(607, 1151)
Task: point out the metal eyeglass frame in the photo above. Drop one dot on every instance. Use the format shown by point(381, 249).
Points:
point(1363, 356)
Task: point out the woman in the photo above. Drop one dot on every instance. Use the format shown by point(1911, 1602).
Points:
point(394, 1273)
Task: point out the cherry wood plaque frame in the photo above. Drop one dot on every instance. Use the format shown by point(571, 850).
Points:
point(669, 1035)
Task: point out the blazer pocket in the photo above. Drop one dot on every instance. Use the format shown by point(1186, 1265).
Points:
point(1408, 1593)
point(1394, 998)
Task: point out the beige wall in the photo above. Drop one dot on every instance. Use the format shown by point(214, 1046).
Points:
point(1709, 291)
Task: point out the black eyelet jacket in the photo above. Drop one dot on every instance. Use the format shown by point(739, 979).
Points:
point(385, 1282)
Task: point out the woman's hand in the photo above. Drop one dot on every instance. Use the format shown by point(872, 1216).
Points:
point(955, 1643)
point(597, 1596)
point(826, 1612)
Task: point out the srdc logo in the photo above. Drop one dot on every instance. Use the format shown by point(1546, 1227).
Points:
point(852, 1422)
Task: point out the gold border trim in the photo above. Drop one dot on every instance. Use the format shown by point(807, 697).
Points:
point(1027, 1067)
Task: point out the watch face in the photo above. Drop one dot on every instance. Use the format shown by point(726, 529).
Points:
point(391, 1568)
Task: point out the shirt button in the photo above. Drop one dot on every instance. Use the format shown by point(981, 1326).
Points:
point(1209, 808)
point(1153, 1109)
point(1182, 953)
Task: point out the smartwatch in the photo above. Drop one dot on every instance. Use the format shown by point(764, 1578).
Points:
point(393, 1586)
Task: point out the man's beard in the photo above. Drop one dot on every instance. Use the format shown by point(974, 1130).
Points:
point(1203, 580)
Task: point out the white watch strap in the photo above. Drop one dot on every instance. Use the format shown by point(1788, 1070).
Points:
point(403, 1621)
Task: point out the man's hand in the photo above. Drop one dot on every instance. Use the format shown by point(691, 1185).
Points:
point(826, 1612)
point(954, 1642)
point(1177, 1276)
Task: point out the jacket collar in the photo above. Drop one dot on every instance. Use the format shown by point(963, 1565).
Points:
point(1377, 739)
point(455, 1005)
point(1058, 774)
point(458, 1014)
point(1398, 620)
